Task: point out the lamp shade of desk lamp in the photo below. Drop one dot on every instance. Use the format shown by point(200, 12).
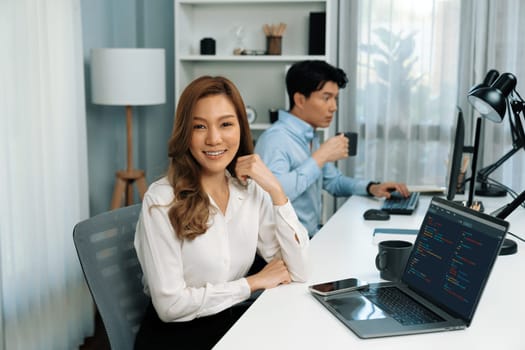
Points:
point(491, 101)
point(128, 77)
point(489, 79)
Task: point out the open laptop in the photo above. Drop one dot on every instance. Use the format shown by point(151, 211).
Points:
point(446, 273)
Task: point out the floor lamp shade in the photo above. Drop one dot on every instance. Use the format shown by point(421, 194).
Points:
point(128, 77)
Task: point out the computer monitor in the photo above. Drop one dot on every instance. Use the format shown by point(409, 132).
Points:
point(457, 149)
point(456, 156)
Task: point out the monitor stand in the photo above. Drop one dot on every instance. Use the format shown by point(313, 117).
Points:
point(470, 202)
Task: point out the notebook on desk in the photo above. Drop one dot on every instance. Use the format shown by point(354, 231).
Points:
point(442, 284)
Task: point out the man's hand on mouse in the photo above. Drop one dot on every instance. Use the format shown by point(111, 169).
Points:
point(385, 189)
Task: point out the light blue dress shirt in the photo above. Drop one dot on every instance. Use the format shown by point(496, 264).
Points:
point(286, 148)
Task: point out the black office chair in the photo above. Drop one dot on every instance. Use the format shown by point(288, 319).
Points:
point(105, 249)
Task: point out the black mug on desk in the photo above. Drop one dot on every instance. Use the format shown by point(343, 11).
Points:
point(392, 259)
point(352, 142)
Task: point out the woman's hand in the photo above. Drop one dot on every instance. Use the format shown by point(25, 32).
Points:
point(252, 166)
point(273, 274)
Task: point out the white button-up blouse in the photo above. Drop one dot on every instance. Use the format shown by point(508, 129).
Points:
point(187, 279)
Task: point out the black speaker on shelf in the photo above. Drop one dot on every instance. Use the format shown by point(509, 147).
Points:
point(316, 37)
point(208, 46)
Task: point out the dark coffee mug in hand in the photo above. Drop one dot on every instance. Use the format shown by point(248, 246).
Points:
point(392, 259)
point(352, 142)
point(274, 115)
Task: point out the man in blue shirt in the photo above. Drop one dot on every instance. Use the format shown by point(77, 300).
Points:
point(292, 151)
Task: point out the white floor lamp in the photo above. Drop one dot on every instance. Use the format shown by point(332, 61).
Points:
point(128, 77)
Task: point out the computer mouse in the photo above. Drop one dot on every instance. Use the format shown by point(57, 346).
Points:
point(376, 214)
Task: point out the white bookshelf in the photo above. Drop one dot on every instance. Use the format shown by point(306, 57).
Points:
point(260, 78)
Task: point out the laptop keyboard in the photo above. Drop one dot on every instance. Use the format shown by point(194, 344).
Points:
point(401, 205)
point(400, 306)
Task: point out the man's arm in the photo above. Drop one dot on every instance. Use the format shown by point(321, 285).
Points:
point(340, 185)
point(295, 174)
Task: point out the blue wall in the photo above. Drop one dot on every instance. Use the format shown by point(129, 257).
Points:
point(126, 23)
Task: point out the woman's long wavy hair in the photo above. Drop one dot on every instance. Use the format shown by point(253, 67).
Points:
point(190, 209)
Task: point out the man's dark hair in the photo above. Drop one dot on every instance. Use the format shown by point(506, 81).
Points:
point(306, 77)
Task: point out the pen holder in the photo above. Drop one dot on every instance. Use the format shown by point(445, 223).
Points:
point(461, 183)
point(273, 45)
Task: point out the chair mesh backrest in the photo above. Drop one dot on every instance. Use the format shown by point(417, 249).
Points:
point(104, 245)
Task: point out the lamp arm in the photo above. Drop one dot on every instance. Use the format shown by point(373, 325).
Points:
point(484, 173)
point(509, 208)
point(518, 135)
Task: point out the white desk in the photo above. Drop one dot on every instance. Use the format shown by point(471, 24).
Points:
point(288, 317)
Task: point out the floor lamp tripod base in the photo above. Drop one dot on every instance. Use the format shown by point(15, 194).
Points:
point(123, 192)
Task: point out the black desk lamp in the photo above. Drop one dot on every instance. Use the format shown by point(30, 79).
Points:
point(489, 79)
point(491, 102)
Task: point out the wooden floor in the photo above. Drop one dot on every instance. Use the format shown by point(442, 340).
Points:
point(99, 340)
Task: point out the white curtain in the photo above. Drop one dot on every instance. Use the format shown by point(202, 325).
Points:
point(498, 34)
point(404, 92)
point(44, 301)
point(413, 61)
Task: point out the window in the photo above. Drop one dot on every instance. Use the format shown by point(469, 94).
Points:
point(406, 88)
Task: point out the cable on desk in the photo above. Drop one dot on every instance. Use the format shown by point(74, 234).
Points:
point(513, 193)
point(518, 237)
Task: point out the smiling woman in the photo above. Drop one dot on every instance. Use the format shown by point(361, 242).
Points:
point(202, 225)
point(216, 134)
point(214, 143)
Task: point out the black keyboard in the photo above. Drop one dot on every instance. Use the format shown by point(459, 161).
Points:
point(400, 306)
point(398, 204)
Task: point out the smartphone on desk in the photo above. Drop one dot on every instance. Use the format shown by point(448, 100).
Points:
point(339, 286)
